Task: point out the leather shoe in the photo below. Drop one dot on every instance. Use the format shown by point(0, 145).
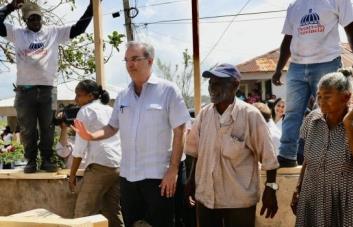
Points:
point(48, 166)
point(31, 166)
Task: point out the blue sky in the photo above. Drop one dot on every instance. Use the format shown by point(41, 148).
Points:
point(247, 36)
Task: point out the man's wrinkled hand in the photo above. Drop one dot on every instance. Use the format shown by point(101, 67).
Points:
point(269, 203)
point(168, 184)
point(190, 193)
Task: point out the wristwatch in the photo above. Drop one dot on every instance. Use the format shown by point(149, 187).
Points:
point(274, 186)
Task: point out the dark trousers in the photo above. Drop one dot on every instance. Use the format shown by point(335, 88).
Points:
point(35, 106)
point(232, 217)
point(142, 200)
point(184, 215)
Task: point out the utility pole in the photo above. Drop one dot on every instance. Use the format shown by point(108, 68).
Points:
point(196, 56)
point(98, 42)
point(128, 25)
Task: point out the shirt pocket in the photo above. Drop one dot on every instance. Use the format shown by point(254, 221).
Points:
point(125, 112)
point(238, 159)
point(155, 113)
point(232, 146)
point(235, 149)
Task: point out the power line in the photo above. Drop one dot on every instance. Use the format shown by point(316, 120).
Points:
point(214, 22)
point(225, 30)
point(211, 17)
point(162, 3)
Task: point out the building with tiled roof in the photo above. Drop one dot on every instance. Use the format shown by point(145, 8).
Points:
point(257, 72)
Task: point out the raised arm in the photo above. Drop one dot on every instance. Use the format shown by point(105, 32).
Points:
point(104, 133)
point(6, 10)
point(83, 22)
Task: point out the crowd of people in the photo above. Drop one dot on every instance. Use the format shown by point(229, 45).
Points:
point(133, 154)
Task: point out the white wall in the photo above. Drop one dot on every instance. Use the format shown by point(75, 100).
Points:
point(280, 91)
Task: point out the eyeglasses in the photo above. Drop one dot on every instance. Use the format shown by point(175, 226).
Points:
point(134, 59)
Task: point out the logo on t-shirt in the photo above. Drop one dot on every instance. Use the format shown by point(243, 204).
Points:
point(35, 50)
point(310, 23)
point(36, 46)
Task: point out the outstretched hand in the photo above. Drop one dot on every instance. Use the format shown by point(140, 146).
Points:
point(80, 129)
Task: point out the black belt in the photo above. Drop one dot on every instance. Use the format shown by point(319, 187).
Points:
point(30, 87)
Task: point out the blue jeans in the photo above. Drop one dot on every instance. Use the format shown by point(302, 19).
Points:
point(34, 106)
point(302, 80)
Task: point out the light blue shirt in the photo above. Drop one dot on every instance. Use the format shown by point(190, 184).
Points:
point(146, 123)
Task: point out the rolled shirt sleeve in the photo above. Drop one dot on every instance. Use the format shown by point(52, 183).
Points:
point(288, 26)
point(178, 113)
point(192, 139)
point(10, 30)
point(345, 12)
point(114, 119)
point(261, 142)
point(81, 145)
point(62, 33)
point(63, 150)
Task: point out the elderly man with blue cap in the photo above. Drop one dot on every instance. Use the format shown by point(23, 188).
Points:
point(228, 140)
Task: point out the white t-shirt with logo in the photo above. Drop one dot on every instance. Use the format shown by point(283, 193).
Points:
point(314, 27)
point(37, 53)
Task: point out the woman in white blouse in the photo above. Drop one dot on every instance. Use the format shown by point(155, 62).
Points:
point(100, 189)
point(278, 110)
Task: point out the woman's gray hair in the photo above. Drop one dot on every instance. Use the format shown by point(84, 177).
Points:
point(340, 80)
point(148, 48)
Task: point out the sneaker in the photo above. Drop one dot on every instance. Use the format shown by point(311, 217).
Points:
point(48, 166)
point(286, 163)
point(31, 166)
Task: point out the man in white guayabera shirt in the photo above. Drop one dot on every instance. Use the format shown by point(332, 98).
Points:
point(151, 116)
point(311, 40)
point(37, 55)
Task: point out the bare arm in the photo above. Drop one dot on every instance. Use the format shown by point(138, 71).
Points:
point(348, 125)
point(349, 32)
point(104, 133)
point(168, 184)
point(4, 12)
point(283, 58)
point(63, 135)
point(177, 149)
point(269, 199)
point(81, 25)
point(72, 179)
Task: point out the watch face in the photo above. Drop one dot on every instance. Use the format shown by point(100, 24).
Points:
point(274, 186)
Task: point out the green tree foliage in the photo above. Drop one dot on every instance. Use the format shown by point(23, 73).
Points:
point(77, 58)
point(182, 76)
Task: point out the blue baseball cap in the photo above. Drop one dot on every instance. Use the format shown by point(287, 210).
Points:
point(223, 71)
